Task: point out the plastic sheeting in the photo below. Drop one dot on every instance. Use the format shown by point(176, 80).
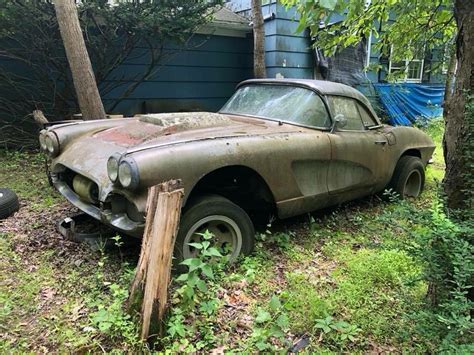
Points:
point(406, 103)
point(346, 66)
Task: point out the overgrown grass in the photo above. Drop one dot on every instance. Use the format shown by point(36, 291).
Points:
point(341, 280)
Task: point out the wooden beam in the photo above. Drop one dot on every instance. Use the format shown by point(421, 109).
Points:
point(152, 277)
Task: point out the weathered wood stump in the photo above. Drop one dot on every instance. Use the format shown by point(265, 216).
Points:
point(149, 288)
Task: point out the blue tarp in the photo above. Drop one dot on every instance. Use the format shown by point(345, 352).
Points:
point(406, 103)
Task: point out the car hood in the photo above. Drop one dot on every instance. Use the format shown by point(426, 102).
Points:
point(156, 130)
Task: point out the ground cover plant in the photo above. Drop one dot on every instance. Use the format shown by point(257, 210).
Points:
point(369, 276)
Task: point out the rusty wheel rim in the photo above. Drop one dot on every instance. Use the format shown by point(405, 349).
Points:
point(227, 236)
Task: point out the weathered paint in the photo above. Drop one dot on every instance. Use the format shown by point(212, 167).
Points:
point(304, 168)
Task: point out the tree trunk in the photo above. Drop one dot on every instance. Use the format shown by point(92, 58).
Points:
point(258, 40)
point(450, 76)
point(458, 123)
point(83, 77)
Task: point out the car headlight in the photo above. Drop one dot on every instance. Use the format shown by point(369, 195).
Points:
point(51, 144)
point(42, 140)
point(113, 167)
point(128, 173)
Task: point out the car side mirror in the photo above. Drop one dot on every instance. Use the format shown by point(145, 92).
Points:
point(340, 121)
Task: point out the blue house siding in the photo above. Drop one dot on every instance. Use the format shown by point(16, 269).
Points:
point(199, 78)
point(287, 53)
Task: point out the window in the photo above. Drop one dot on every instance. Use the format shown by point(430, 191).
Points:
point(279, 102)
point(367, 118)
point(407, 70)
point(348, 108)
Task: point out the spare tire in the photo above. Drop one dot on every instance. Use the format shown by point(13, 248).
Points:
point(8, 203)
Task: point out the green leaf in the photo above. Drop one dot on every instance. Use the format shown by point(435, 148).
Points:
point(180, 330)
point(207, 235)
point(276, 332)
point(283, 321)
point(188, 262)
point(189, 292)
point(195, 264)
point(207, 270)
point(213, 252)
point(323, 327)
point(201, 285)
point(182, 277)
point(262, 316)
point(328, 4)
point(104, 326)
point(261, 345)
point(275, 303)
point(196, 245)
point(192, 280)
point(208, 307)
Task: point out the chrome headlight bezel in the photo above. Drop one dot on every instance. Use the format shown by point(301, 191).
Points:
point(113, 167)
point(51, 144)
point(42, 140)
point(128, 174)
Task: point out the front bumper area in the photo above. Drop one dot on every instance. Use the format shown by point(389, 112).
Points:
point(118, 221)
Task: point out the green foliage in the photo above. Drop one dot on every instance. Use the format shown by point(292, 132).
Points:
point(338, 330)
point(303, 302)
point(195, 302)
point(377, 286)
point(419, 26)
point(468, 156)
point(449, 268)
point(281, 240)
point(108, 315)
point(270, 324)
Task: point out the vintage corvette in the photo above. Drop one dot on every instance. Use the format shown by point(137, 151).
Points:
point(277, 147)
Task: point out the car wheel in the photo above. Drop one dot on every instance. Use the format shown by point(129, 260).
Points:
point(8, 203)
point(409, 177)
point(232, 228)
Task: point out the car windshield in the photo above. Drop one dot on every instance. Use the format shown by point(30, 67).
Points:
point(279, 102)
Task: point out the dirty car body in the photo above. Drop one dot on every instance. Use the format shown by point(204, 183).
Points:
point(283, 147)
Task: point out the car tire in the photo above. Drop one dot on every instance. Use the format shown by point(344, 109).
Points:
point(218, 215)
point(408, 179)
point(8, 203)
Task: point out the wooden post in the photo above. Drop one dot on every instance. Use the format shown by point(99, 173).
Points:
point(83, 77)
point(150, 284)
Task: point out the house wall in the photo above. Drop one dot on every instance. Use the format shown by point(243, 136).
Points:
point(202, 77)
point(287, 53)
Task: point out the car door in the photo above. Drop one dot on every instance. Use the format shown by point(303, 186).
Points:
point(358, 151)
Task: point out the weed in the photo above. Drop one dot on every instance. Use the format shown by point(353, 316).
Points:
point(108, 315)
point(270, 323)
point(337, 330)
point(196, 298)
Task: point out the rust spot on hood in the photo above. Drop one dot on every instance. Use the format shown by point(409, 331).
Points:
point(130, 134)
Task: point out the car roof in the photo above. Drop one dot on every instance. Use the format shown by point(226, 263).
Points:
point(323, 87)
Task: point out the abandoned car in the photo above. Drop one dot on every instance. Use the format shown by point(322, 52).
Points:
point(277, 147)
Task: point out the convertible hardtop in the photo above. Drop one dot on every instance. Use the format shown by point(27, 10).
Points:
point(322, 87)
